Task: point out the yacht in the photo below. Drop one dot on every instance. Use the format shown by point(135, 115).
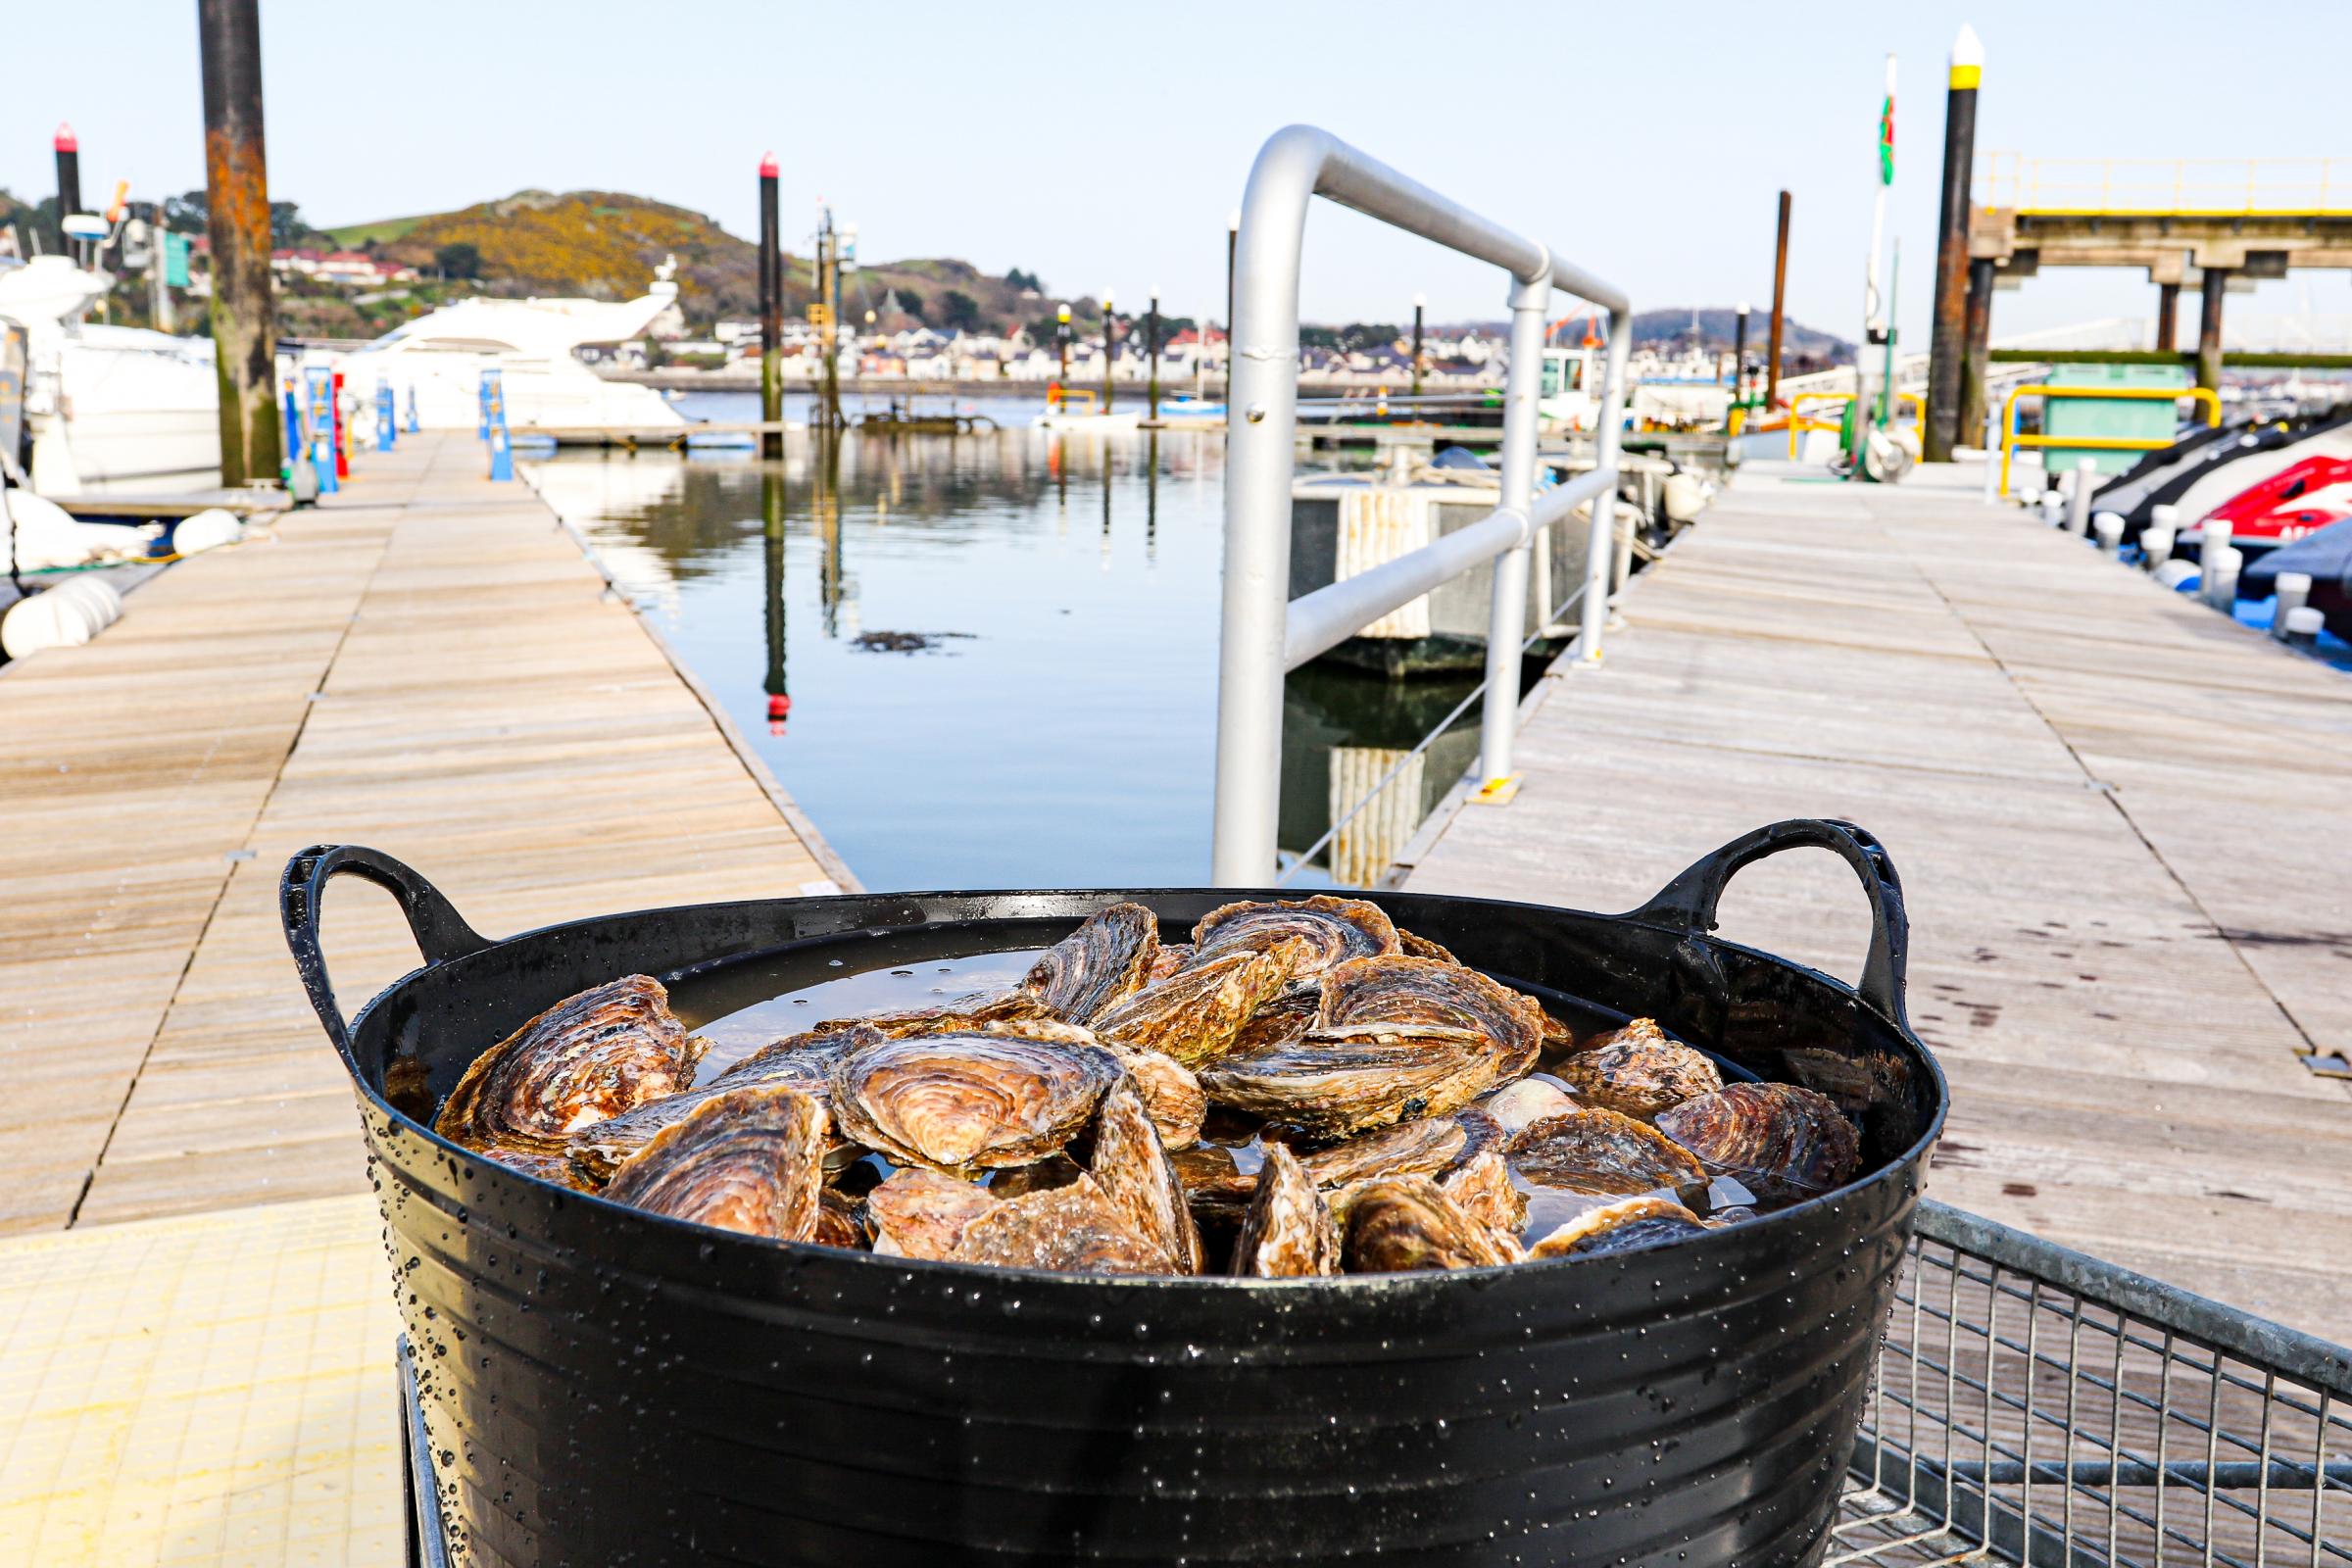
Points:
point(105, 405)
point(439, 358)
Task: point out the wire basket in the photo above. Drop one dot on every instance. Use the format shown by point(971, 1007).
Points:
point(2036, 1405)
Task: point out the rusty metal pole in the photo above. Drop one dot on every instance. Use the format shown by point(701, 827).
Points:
point(772, 315)
point(1980, 344)
point(2209, 328)
point(236, 182)
point(1780, 305)
point(2168, 318)
point(1948, 338)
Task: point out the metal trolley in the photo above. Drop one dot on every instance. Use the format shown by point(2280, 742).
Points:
point(2032, 1406)
point(2036, 1405)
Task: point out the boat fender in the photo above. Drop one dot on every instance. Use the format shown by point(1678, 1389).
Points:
point(65, 616)
point(2177, 575)
point(208, 529)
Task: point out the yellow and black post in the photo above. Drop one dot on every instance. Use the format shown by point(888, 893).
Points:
point(1947, 342)
point(771, 323)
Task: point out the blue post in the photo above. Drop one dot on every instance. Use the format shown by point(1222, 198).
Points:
point(322, 427)
point(385, 424)
point(483, 433)
point(294, 444)
point(494, 420)
point(412, 408)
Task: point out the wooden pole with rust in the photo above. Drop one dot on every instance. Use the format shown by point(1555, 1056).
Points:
point(2209, 328)
point(772, 315)
point(1947, 340)
point(236, 182)
point(2168, 318)
point(1780, 308)
point(1974, 362)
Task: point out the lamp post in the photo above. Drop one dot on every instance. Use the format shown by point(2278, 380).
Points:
point(1233, 239)
point(1109, 348)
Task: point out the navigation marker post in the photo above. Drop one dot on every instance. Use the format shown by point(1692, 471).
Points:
point(771, 327)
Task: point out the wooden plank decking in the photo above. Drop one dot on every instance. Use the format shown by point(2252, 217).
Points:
point(2120, 824)
point(428, 664)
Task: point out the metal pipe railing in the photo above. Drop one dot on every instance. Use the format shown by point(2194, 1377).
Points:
point(1261, 628)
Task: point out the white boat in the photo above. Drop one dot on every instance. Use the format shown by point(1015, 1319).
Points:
point(440, 357)
point(105, 405)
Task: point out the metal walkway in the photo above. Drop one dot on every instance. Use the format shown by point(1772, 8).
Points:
point(2121, 823)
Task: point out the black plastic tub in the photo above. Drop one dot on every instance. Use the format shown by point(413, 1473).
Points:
point(606, 1386)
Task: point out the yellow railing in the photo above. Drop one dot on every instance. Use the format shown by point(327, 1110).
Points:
point(1799, 421)
point(2011, 440)
point(1059, 398)
point(2188, 188)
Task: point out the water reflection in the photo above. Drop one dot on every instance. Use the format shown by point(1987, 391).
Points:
point(961, 689)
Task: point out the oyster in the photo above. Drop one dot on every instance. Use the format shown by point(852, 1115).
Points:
point(1592, 1150)
point(1288, 1230)
point(837, 1222)
point(968, 1100)
point(1482, 1186)
point(1172, 956)
point(1074, 1229)
point(609, 1049)
point(1518, 1106)
point(1132, 1168)
point(978, 1011)
point(1640, 1071)
point(751, 1160)
point(547, 1167)
point(1781, 1141)
point(1426, 990)
point(1172, 1095)
point(1411, 1147)
point(1334, 929)
point(1407, 1222)
point(1619, 1226)
point(1290, 1014)
point(1335, 1082)
point(1218, 1181)
point(1413, 947)
point(1194, 1014)
point(1105, 961)
point(922, 1213)
point(801, 1061)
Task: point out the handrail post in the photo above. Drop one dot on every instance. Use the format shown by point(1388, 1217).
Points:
point(1600, 547)
point(1506, 619)
point(1261, 412)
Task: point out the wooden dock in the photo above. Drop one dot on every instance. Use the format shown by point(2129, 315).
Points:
point(427, 664)
point(2120, 822)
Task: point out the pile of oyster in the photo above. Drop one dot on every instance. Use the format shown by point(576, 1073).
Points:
point(1302, 1089)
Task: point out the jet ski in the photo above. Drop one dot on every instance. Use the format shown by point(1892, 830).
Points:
point(2327, 556)
point(2290, 505)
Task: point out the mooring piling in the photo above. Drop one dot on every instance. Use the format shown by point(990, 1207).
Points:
point(1947, 342)
point(2078, 500)
point(2293, 588)
point(1780, 308)
point(772, 320)
point(69, 190)
point(1110, 351)
point(2303, 625)
point(2109, 527)
point(2219, 566)
point(236, 184)
point(1152, 347)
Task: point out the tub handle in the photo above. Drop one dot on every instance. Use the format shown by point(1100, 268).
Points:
point(1688, 903)
point(441, 933)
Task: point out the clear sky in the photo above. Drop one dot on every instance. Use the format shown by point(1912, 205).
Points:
point(1102, 145)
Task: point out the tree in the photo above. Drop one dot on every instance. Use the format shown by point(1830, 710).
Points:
point(286, 226)
point(961, 310)
point(459, 258)
point(1017, 278)
point(910, 302)
point(190, 214)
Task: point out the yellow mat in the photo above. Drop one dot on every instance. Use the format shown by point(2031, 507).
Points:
point(212, 1389)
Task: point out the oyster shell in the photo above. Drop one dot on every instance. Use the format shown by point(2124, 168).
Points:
point(968, 1100)
point(801, 1061)
point(979, 1010)
point(1335, 1082)
point(1407, 1222)
point(922, 1213)
point(1413, 947)
point(1194, 1014)
point(608, 1049)
point(1426, 990)
point(1334, 929)
point(1482, 1186)
point(1515, 1106)
point(837, 1222)
point(1618, 1227)
point(1411, 1147)
point(1172, 956)
point(1218, 1181)
point(1105, 961)
point(1074, 1230)
point(1288, 1230)
point(1640, 1071)
point(1290, 1014)
point(751, 1160)
point(1600, 1152)
point(1132, 1168)
point(1173, 1095)
point(1781, 1141)
point(547, 1167)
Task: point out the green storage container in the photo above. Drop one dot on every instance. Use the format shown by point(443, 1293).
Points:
point(2086, 413)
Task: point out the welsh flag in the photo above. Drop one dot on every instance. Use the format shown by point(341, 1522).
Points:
point(1886, 140)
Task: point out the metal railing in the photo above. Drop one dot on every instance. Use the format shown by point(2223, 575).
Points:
point(2181, 187)
point(2011, 440)
point(2033, 1405)
point(1266, 634)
